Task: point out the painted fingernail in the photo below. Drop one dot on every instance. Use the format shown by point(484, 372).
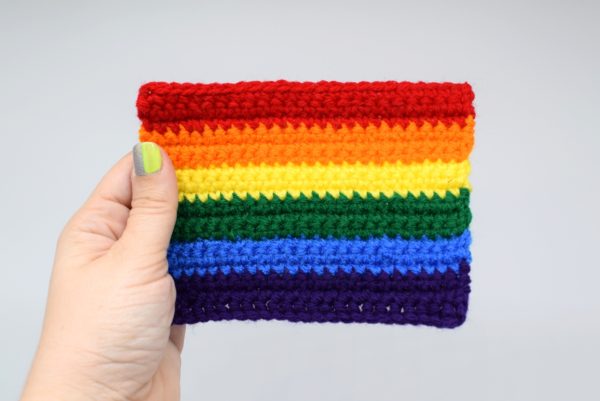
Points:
point(146, 158)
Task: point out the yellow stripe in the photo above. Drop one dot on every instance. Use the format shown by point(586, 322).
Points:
point(389, 178)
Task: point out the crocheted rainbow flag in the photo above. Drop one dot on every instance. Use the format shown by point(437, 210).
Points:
point(318, 202)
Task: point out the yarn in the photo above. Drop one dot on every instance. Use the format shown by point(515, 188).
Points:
point(282, 145)
point(318, 201)
point(161, 102)
point(319, 255)
point(347, 179)
point(438, 299)
point(362, 223)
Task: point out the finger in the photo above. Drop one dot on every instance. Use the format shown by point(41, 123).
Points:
point(177, 336)
point(115, 186)
point(102, 218)
point(154, 202)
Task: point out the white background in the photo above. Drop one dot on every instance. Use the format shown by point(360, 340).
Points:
point(69, 74)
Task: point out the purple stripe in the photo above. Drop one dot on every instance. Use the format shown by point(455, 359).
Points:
point(438, 299)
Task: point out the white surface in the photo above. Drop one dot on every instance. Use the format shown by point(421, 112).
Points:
point(69, 74)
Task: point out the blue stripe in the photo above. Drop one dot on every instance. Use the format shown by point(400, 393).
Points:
point(295, 255)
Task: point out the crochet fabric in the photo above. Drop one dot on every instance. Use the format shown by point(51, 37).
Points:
point(318, 202)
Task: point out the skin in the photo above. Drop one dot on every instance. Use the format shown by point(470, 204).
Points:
point(107, 332)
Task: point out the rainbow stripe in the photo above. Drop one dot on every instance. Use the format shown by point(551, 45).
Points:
point(318, 202)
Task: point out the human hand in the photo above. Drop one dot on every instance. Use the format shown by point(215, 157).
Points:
point(107, 332)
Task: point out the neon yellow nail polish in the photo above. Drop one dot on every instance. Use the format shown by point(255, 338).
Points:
point(147, 158)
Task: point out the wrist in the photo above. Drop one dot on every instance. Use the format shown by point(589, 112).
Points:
point(52, 377)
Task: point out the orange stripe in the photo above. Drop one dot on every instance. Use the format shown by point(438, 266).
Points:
point(282, 145)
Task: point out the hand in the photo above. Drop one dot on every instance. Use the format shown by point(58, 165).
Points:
point(107, 333)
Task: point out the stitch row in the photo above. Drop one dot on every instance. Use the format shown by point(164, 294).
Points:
point(287, 133)
point(306, 224)
point(199, 125)
point(440, 299)
point(277, 145)
point(243, 155)
point(410, 205)
point(426, 177)
point(293, 255)
point(161, 101)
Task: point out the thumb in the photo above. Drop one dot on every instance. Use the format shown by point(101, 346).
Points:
point(154, 200)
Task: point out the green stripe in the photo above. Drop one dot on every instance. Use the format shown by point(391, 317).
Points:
point(409, 217)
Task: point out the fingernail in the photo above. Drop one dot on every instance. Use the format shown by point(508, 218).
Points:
point(146, 158)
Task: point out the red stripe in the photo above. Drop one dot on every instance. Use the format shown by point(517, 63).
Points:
point(172, 102)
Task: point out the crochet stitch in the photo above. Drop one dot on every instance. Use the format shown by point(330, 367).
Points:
point(318, 201)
